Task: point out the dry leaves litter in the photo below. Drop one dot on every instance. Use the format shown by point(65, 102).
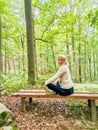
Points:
point(49, 114)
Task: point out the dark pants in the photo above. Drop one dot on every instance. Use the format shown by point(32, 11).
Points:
point(60, 90)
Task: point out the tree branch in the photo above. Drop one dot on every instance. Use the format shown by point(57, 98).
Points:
point(41, 40)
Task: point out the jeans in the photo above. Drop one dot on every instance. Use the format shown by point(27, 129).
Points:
point(59, 90)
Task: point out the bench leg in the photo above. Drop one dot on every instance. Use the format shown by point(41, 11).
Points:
point(92, 109)
point(30, 101)
point(89, 109)
point(23, 104)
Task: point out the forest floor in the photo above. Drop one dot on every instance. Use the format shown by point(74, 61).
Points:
point(50, 114)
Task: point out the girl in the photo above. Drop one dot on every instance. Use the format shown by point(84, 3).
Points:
point(64, 84)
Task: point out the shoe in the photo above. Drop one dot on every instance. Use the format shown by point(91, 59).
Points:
point(51, 92)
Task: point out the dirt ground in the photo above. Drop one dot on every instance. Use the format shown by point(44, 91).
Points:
point(50, 114)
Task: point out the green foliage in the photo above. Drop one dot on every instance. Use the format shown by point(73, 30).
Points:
point(60, 27)
point(13, 83)
point(3, 5)
point(92, 17)
point(89, 87)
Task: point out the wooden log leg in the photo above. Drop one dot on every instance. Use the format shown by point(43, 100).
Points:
point(93, 111)
point(22, 104)
point(89, 109)
point(30, 101)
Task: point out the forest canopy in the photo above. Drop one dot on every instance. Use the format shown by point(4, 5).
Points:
point(69, 27)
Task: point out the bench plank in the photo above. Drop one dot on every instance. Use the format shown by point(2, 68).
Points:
point(43, 91)
point(31, 91)
point(45, 95)
point(90, 96)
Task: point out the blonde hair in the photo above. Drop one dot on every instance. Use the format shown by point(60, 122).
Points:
point(64, 57)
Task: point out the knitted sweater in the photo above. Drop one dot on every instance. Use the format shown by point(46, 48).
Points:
point(63, 76)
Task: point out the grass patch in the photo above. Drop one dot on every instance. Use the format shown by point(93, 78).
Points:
point(13, 83)
point(86, 87)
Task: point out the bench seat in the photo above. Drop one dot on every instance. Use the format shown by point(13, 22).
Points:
point(90, 96)
point(44, 95)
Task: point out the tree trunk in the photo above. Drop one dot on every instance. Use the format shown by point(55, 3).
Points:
point(90, 60)
point(19, 64)
point(23, 57)
point(67, 52)
point(74, 56)
point(94, 65)
point(47, 59)
point(53, 56)
point(96, 55)
point(79, 47)
point(85, 62)
point(5, 63)
point(41, 57)
point(1, 64)
point(73, 45)
point(1, 67)
point(30, 42)
point(9, 65)
point(13, 61)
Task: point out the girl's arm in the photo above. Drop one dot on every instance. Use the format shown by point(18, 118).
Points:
point(60, 72)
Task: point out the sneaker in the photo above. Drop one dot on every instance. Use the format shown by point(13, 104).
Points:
point(51, 92)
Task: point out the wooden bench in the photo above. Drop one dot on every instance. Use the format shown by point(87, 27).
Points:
point(90, 96)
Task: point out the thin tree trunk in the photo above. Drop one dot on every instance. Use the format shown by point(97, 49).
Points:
point(79, 47)
point(41, 57)
point(5, 61)
point(68, 53)
point(47, 59)
point(23, 56)
point(80, 79)
point(30, 42)
point(94, 65)
point(73, 44)
point(1, 67)
point(74, 56)
point(85, 62)
point(1, 63)
point(19, 64)
point(53, 56)
point(89, 63)
point(13, 61)
point(9, 65)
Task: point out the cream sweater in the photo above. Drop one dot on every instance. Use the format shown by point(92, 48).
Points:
point(63, 76)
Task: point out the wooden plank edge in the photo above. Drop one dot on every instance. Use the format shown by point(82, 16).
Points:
point(43, 91)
